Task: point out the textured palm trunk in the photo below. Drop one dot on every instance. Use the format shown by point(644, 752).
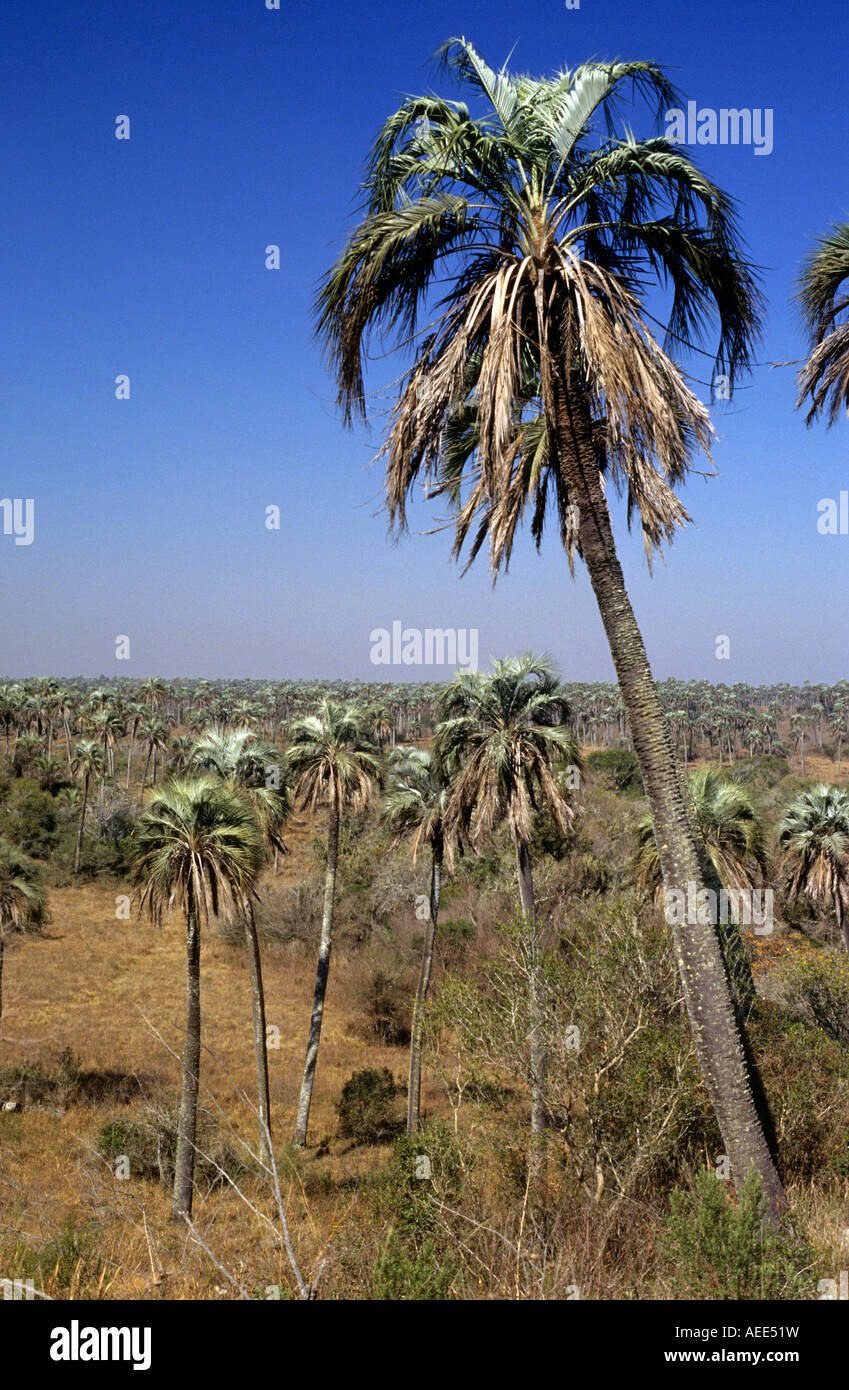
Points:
point(184, 1166)
point(130, 756)
point(414, 1084)
point(260, 1041)
point(82, 823)
point(322, 974)
point(537, 1048)
point(683, 860)
point(842, 924)
point(144, 778)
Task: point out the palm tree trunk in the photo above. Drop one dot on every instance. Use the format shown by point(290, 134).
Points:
point(414, 1086)
point(537, 1048)
point(842, 924)
point(684, 861)
point(82, 823)
point(322, 974)
point(260, 1042)
point(130, 756)
point(184, 1165)
point(144, 777)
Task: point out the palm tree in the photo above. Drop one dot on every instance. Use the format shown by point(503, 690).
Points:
point(199, 850)
point(733, 832)
point(814, 836)
point(155, 734)
point(135, 717)
point(503, 736)
point(336, 766)
point(244, 763)
point(824, 378)
point(87, 762)
point(23, 901)
point(541, 378)
point(414, 808)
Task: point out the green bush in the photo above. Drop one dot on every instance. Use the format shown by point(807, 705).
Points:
point(806, 1079)
point(405, 1271)
point(150, 1146)
point(717, 1247)
point(617, 769)
point(367, 1107)
point(817, 988)
point(33, 1082)
point(68, 1254)
point(30, 819)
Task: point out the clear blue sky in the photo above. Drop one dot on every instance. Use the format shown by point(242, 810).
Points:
point(146, 257)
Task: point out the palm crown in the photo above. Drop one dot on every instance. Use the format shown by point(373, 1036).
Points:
point(547, 237)
point(824, 302)
point(500, 735)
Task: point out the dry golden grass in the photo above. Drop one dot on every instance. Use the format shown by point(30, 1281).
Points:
point(101, 986)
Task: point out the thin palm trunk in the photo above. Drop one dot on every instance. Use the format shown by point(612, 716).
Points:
point(683, 859)
point(144, 776)
point(414, 1086)
point(184, 1166)
point(130, 756)
point(537, 1048)
point(260, 1042)
point(322, 975)
point(82, 823)
point(842, 924)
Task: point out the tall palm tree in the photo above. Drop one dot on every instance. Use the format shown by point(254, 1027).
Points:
point(244, 763)
point(198, 849)
point(337, 766)
point(414, 807)
point(733, 832)
point(87, 762)
point(824, 302)
point(814, 836)
point(541, 379)
point(503, 737)
point(154, 733)
point(23, 900)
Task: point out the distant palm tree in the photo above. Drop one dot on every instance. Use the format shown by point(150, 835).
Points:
point(154, 734)
point(337, 766)
point(824, 302)
point(87, 761)
point(538, 382)
point(733, 832)
point(256, 772)
point(414, 807)
point(814, 837)
point(198, 849)
point(503, 736)
point(23, 900)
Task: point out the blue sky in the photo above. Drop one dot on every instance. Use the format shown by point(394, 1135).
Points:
point(146, 257)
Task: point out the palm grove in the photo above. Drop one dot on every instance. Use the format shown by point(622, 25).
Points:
point(537, 385)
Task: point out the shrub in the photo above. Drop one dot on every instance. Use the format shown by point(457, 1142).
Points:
point(388, 1007)
point(416, 1273)
point(806, 1078)
point(65, 1262)
point(718, 1248)
point(150, 1147)
point(817, 988)
point(617, 769)
point(367, 1107)
point(32, 1082)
